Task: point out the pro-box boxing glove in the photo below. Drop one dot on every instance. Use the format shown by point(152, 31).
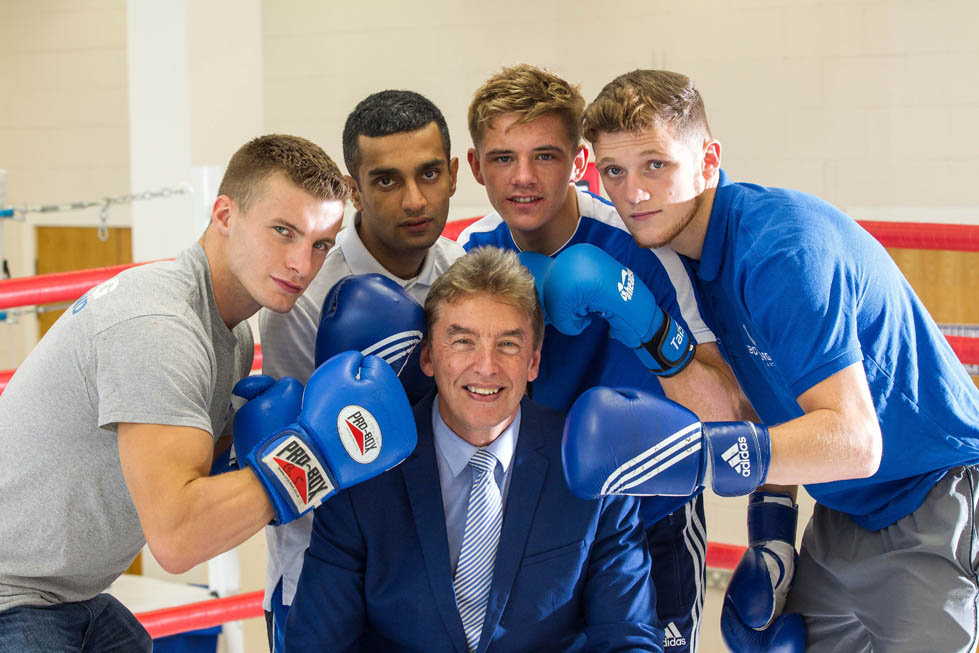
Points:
point(355, 423)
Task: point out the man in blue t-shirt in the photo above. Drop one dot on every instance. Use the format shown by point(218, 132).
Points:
point(865, 401)
point(526, 128)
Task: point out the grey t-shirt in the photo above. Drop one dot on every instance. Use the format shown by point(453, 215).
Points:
point(147, 346)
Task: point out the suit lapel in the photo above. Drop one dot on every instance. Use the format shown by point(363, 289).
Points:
point(526, 482)
point(421, 478)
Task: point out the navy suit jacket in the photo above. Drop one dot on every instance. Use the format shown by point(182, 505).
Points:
point(569, 575)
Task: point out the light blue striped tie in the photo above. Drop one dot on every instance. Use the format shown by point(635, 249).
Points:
point(474, 572)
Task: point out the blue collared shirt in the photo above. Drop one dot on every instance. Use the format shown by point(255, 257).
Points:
point(455, 474)
point(797, 291)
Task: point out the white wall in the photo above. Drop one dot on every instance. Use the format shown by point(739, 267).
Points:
point(871, 104)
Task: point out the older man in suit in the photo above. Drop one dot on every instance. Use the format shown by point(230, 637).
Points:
point(475, 542)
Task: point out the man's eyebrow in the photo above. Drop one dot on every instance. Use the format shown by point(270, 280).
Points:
point(383, 172)
point(433, 163)
point(285, 223)
point(649, 152)
point(542, 148)
point(455, 329)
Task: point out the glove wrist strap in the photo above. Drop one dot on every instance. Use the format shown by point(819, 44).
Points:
point(670, 347)
point(293, 473)
point(769, 520)
point(739, 453)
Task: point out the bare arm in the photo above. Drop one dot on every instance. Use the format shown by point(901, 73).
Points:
point(187, 516)
point(708, 388)
point(838, 437)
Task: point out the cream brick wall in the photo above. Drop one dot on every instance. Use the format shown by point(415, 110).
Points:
point(63, 125)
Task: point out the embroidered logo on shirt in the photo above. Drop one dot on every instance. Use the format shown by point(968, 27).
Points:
point(754, 351)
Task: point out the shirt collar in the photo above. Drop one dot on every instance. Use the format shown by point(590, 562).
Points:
point(457, 451)
point(712, 254)
point(362, 261)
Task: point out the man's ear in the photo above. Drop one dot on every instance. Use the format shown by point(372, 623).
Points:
point(712, 158)
point(534, 369)
point(473, 156)
point(425, 359)
point(453, 174)
point(221, 213)
point(354, 191)
point(580, 162)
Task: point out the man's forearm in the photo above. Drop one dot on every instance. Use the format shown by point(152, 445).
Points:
point(708, 388)
point(208, 516)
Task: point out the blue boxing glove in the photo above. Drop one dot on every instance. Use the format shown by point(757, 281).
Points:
point(272, 405)
point(372, 314)
point(752, 619)
point(355, 423)
point(626, 441)
point(538, 265)
point(584, 280)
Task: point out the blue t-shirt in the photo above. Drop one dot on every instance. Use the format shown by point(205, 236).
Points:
point(572, 364)
point(796, 291)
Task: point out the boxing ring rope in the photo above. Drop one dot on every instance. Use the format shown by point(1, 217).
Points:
point(203, 614)
point(721, 558)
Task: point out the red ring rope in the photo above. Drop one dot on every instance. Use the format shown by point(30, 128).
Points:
point(57, 287)
point(203, 614)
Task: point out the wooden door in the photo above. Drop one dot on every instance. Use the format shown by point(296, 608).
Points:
point(947, 283)
point(62, 249)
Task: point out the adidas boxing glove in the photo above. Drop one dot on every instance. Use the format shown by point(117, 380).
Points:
point(372, 314)
point(626, 441)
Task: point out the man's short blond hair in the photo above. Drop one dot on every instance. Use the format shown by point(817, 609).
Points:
point(643, 99)
point(488, 271)
point(530, 92)
point(302, 162)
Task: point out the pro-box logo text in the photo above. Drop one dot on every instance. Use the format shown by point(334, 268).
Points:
point(360, 434)
point(299, 472)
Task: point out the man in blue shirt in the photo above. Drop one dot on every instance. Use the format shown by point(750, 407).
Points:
point(867, 404)
point(526, 129)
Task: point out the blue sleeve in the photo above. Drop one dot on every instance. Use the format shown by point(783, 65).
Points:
point(670, 280)
point(620, 601)
point(803, 301)
point(328, 611)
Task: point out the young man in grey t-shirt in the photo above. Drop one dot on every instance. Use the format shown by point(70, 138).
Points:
point(111, 425)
